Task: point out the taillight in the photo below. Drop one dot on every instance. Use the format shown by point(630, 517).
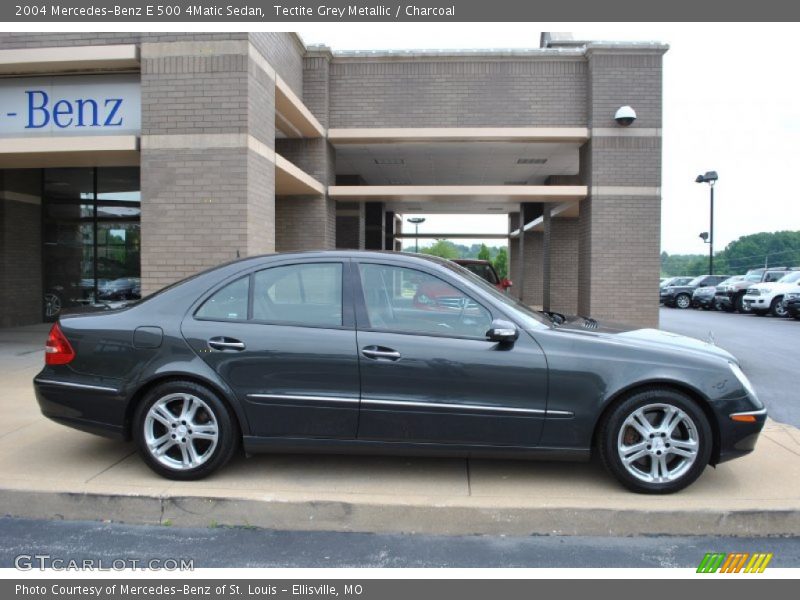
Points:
point(58, 350)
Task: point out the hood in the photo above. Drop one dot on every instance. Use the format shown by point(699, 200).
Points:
point(645, 337)
point(784, 287)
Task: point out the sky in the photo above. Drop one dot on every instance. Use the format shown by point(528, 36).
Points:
point(731, 104)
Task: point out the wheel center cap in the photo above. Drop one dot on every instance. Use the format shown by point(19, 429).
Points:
point(182, 430)
point(658, 444)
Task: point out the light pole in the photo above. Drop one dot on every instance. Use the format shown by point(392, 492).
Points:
point(710, 177)
point(416, 222)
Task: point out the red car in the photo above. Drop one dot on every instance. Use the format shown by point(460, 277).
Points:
point(484, 269)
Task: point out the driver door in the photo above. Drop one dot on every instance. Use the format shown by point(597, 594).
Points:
point(428, 373)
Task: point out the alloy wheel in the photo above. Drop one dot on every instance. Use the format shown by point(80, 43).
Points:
point(181, 431)
point(52, 305)
point(658, 443)
point(683, 301)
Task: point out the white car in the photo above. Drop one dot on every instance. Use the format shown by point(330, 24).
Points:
point(764, 298)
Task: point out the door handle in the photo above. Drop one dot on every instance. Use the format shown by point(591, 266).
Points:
point(223, 343)
point(379, 352)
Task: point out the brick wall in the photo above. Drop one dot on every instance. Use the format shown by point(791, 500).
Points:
point(533, 283)
point(457, 92)
point(284, 52)
point(564, 265)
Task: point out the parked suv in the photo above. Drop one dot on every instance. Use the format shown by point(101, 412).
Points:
point(680, 296)
point(730, 295)
point(764, 298)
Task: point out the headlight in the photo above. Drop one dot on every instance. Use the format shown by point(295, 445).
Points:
point(737, 371)
point(792, 296)
point(766, 291)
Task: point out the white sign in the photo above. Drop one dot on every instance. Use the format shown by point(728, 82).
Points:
point(70, 105)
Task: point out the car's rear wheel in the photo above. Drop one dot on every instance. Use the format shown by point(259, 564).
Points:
point(777, 308)
point(656, 441)
point(683, 301)
point(184, 431)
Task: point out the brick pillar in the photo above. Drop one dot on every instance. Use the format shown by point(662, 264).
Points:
point(619, 223)
point(564, 265)
point(206, 161)
point(309, 222)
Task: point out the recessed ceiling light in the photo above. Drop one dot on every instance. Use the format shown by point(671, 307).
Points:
point(389, 161)
point(531, 161)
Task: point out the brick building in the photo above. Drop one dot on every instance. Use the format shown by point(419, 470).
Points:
point(128, 161)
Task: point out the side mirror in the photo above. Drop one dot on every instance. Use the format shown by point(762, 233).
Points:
point(506, 283)
point(502, 331)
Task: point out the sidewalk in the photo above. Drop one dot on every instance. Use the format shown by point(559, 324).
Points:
point(50, 471)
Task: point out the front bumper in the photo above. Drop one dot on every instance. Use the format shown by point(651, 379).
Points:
point(757, 303)
point(703, 301)
point(738, 438)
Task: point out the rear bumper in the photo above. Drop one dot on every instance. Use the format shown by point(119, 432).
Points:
point(97, 409)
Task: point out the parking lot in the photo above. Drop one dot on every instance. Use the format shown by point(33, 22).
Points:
point(766, 346)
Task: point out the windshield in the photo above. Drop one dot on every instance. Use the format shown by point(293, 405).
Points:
point(790, 277)
point(696, 280)
point(532, 318)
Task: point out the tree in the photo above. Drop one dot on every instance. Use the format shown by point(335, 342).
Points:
point(442, 248)
point(484, 254)
point(501, 263)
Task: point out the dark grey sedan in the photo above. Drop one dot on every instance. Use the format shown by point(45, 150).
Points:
point(377, 352)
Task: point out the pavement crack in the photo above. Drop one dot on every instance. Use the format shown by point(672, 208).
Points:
point(111, 466)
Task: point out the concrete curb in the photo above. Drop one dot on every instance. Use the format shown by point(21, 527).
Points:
point(376, 517)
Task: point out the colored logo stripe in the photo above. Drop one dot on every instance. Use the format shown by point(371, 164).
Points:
point(734, 562)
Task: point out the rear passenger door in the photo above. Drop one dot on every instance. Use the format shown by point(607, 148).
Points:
point(283, 339)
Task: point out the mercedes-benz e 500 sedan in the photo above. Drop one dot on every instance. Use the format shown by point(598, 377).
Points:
point(339, 352)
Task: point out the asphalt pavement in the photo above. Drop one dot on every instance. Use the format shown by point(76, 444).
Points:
point(251, 547)
point(767, 348)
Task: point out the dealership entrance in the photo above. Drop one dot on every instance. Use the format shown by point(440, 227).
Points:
point(90, 237)
point(75, 236)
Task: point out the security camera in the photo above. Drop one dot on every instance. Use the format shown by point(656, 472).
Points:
point(625, 116)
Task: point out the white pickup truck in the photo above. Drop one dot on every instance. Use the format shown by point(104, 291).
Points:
point(763, 298)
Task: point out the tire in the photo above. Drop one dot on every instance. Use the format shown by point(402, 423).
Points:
point(618, 436)
point(777, 309)
point(740, 306)
point(53, 304)
point(191, 447)
point(683, 301)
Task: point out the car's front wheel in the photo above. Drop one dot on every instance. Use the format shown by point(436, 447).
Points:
point(777, 308)
point(683, 301)
point(184, 431)
point(655, 441)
